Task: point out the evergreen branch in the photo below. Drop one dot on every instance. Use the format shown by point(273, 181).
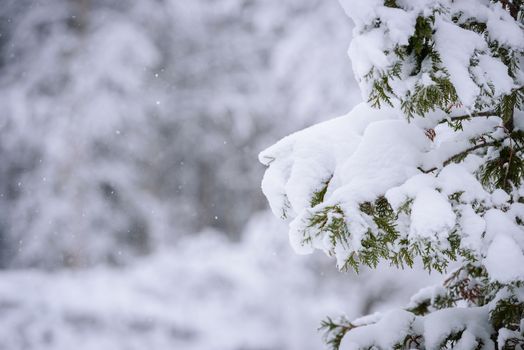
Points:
point(464, 153)
point(335, 331)
point(508, 167)
point(512, 343)
point(318, 196)
point(427, 171)
point(511, 7)
point(472, 115)
point(461, 155)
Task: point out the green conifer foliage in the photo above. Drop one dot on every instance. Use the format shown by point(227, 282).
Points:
point(440, 73)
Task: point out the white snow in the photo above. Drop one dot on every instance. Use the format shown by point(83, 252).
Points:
point(431, 216)
point(397, 196)
point(474, 321)
point(505, 260)
point(473, 226)
point(455, 178)
point(456, 46)
point(499, 197)
point(426, 294)
point(384, 334)
point(503, 29)
point(302, 162)
point(389, 153)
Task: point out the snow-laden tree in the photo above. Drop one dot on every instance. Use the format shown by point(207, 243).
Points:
point(431, 168)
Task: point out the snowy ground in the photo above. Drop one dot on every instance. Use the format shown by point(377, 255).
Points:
point(207, 293)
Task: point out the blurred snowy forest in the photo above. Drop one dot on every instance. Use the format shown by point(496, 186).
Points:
point(131, 214)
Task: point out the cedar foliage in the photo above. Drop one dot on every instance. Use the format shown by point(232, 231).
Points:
point(470, 284)
point(432, 91)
